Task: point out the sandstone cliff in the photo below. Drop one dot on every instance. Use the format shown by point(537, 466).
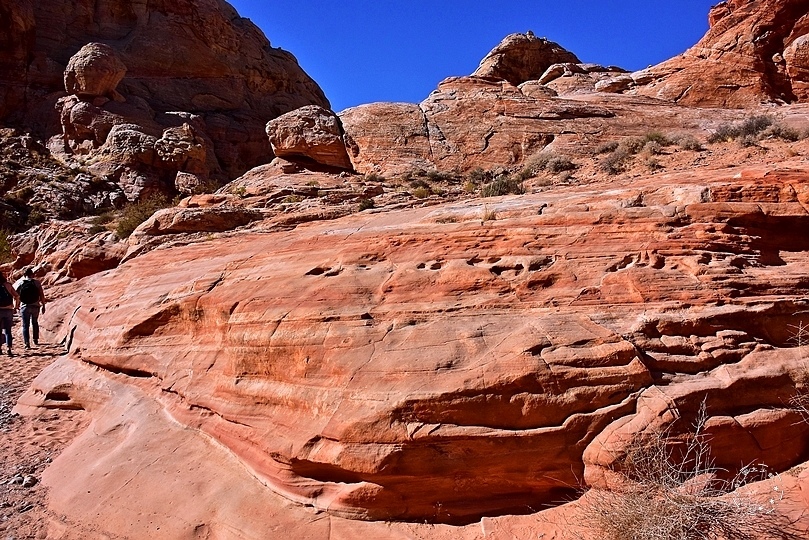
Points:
point(754, 52)
point(198, 59)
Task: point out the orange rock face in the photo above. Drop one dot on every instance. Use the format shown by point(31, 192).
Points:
point(742, 60)
point(522, 57)
point(442, 133)
point(431, 365)
point(257, 363)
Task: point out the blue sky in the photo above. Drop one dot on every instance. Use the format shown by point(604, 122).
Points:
point(393, 50)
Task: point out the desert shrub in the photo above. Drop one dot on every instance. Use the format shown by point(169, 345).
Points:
point(688, 142)
point(653, 148)
point(559, 164)
point(548, 162)
point(489, 214)
point(779, 131)
point(373, 177)
point(442, 176)
point(653, 164)
point(750, 127)
point(659, 138)
point(98, 223)
point(615, 162)
point(5, 247)
point(754, 125)
point(421, 192)
point(748, 141)
point(478, 176)
point(632, 145)
point(366, 204)
point(292, 199)
point(239, 191)
point(134, 214)
point(652, 140)
point(503, 185)
point(666, 495)
point(607, 147)
point(419, 183)
point(36, 216)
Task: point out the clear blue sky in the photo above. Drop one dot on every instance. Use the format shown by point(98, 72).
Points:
point(395, 50)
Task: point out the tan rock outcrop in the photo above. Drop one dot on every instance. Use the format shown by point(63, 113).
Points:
point(310, 134)
point(94, 71)
point(522, 57)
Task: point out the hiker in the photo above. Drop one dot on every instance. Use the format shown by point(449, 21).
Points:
point(32, 298)
point(9, 301)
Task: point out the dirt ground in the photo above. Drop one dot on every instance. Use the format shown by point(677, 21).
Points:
point(28, 445)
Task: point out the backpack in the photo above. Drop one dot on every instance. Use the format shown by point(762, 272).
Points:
point(6, 299)
point(28, 291)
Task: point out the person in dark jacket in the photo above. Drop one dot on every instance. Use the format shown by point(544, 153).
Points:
point(9, 301)
point(32, 299)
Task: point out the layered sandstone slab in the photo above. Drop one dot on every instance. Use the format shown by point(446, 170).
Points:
point(471, 122)
point(432, 365)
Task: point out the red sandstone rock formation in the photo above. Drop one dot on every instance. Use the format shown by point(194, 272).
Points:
point(388, 366)
point(522, 57)
point(94, 71)
point(437, 364)
point(224, 72)
point(751, 54)
point(310, 134)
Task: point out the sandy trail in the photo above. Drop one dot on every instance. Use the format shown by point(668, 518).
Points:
point(28, 445)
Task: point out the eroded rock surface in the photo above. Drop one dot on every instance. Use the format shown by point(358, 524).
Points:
point(310, 134)
point(522, 57)
point(407, 359)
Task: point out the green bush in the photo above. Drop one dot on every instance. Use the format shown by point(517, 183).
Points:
point(366, 204)
point(136, 213)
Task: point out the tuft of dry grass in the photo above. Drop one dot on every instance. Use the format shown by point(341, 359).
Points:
point(668, 495)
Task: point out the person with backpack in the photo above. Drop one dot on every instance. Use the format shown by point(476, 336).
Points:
point(9, 301)
point(32, 298)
